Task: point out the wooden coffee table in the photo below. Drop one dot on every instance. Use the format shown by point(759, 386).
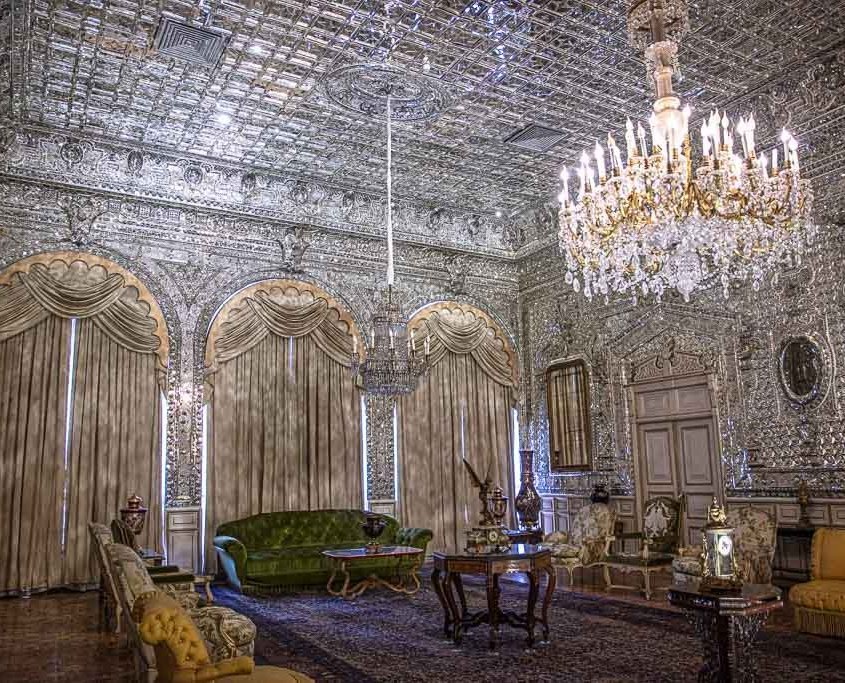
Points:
point(528, 559)
point(407, 580)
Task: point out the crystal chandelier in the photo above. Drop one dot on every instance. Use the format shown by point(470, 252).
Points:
point(666, 220)
point(392, 362)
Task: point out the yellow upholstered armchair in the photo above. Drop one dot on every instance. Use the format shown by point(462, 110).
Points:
point(819, 604)
point(181, 653)
point(588, 541)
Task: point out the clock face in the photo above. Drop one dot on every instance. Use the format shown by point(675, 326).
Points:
point(724, 545)
point(493, 536)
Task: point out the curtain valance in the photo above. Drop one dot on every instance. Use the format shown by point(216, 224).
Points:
point(78, 285)
point(463, 329)
point(284, 308)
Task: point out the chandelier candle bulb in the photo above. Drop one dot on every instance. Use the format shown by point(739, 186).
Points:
point(784, 138)
point(641, 136)
point(630, 140)
point(751, 126)
point(599, 151)
point(741, 129)
point(793, 153)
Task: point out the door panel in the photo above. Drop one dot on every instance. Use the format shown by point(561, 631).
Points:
point(658, 450)
point(678, 455)
point(696, 446)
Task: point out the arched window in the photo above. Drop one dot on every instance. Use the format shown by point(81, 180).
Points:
point(284, 421)
point(83, 348)
point(461, 410)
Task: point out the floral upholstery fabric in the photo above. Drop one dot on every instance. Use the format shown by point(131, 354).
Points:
point(227, 633)
point(660, 524)
point(754, 546)
point(587, 540)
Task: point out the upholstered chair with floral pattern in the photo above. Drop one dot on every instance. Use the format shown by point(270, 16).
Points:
point(227, 634)
point(658, 542)
point(182, 653)
point(587, 542)
point(755, 536)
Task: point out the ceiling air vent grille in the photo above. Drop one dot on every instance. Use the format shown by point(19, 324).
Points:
point(177, 39)
point(536, 138)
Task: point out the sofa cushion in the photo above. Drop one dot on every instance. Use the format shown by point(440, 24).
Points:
point(828, 595)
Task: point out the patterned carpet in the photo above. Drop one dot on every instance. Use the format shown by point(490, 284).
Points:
point(391, 638)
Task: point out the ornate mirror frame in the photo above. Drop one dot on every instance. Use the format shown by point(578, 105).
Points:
point(820, 385)
point(559, 459)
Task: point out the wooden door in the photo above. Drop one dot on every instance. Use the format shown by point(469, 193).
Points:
point(676, 448)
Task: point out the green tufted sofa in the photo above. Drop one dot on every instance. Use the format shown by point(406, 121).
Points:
point(283, 550)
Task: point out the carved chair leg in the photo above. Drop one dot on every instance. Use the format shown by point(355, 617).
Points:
point(647, 581)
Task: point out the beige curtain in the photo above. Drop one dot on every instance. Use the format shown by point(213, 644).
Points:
point(460, 410)
point(115, 445)
point(114, 436)
point(285, 417)
point(33, 400)
point(567, 405)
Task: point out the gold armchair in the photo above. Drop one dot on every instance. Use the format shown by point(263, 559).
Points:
point(181, 652)
point(819, 604)
point(588, 540)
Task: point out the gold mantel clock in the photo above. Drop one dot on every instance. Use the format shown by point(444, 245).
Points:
point(718, 571)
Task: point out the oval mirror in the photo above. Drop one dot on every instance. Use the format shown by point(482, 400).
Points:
point(801, 369)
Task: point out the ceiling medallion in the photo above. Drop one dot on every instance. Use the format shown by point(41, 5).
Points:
point(363, 88)
point(665, 220)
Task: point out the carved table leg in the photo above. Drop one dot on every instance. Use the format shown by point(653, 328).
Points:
point(344, 590)
point(437, 583)
point(533, 592)
point(493, 608)
point(547, 599)
point(459, 588)
point(454, 614)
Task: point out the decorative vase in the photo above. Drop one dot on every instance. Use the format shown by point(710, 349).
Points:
point(134, 514)
point(527, 503)
point(372, 527)
point(600, 494)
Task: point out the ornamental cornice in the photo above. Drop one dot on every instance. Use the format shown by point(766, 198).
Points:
point(117, 169)
point(197, 235)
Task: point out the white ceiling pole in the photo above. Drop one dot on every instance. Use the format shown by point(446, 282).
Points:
point(389, 202)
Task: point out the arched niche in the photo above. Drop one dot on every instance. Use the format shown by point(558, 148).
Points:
point(473, 326)
point(77, 269)
point(293, 293)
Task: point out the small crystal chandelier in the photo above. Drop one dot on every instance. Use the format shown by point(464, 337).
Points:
point(665, 220)
point(392, 363)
